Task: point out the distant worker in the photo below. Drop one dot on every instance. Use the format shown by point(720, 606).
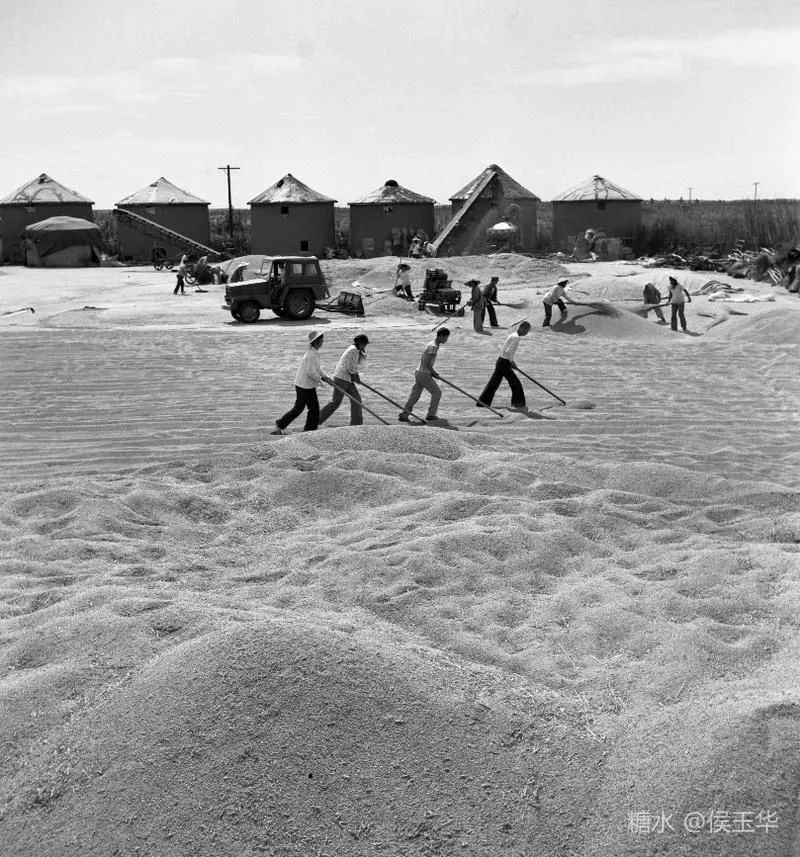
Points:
point(678, 296)
point(402, 288)
point(345, 376)
point(424, 379)
point(476, 302)
point(181, 274)
point(490, 299)
point(652, 296)
point(306, 380)
point(556, 295)
point(504, 368)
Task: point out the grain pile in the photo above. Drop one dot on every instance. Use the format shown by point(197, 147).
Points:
point(524, 637)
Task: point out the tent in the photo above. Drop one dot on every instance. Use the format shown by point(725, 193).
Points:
point(62, 242)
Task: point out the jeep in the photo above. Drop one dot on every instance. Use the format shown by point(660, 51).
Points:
point(290, 286)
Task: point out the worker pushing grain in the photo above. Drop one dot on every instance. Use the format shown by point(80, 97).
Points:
point(345, 376)
point(504, 368)
point(424, 379)
point(308, 377)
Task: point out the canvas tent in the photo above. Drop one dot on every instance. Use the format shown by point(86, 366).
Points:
point(38, 199)
point(62, 242)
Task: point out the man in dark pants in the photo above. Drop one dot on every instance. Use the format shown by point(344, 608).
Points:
point(489, 298)
point(504, 368)
point(306, 380)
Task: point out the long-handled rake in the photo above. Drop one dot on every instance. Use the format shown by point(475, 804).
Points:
point(357, 401)
point(470, 396)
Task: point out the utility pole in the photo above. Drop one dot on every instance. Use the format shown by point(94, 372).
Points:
point(690, 195)
point(228, 169)
point(755, 212)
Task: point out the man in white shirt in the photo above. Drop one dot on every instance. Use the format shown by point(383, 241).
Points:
point(504, 368)
point(308, 377)
point(424, 378)
point(345, 376)
point(556, 295)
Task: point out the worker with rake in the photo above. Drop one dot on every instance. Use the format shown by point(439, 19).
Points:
point(678, 296)
point(504, 368)
point(306, 380)
point(402, 286)
point(477, 304)
point(424, 379)
point(556, 295)
point(489, 300)
point(345, 376)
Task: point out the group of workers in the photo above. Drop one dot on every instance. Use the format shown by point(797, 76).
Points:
point(346, 377)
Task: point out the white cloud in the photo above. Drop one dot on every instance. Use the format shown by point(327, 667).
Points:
point(663, 59)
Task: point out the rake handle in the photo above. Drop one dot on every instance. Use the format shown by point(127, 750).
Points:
point(390, 401)
point(470, 396)
point(541, 385)
point(357, 401)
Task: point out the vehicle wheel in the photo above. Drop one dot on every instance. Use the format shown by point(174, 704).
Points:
point(279, 311)
point(158, 266)
point(235, 314)
point(169, 265)
point(190, 278)
point(299, 304)
point(250, 312)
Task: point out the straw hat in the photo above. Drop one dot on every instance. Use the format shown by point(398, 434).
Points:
point(313, 336)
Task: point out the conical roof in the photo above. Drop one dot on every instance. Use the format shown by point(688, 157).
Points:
point(595, 188)
point(289, 189)
point(162, 192)
point(511, 189)
point(391, 192)
point(42, 190)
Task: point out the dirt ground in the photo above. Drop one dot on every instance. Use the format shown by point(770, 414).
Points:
point(571, 632)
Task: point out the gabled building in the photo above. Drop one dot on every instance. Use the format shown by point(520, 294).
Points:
point(291, 218)
point(491, 197)
point(169, 206)
point(598, 204)
point(384, 222)
point(39, 199)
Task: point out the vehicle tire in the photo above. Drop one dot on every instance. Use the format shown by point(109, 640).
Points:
point(169, 265)
point(191, 280)
point(235, 314)
point(299, 304)
point(158, 266)
point(279, 311)
point(249, 313)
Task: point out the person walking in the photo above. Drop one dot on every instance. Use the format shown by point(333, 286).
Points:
point(504, 368)
point(652, 296)
point(306, 380)
point(345, 376)
point(556, 295)
point(489, 300)
point(181, 274)
point(678, 296)
point(424, 379)
point(476, 302)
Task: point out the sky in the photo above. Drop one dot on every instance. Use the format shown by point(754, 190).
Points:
point(658, 97)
